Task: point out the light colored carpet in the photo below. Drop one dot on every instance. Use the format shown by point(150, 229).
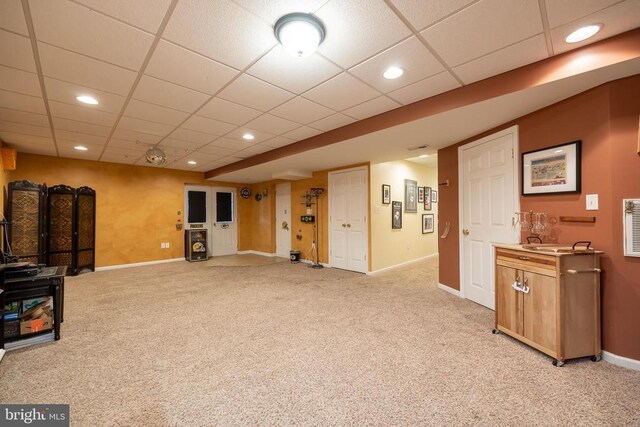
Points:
point(283, 344)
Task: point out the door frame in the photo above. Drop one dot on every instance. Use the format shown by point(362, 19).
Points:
point(514, 130)
point(280, 225)
point(368, 219)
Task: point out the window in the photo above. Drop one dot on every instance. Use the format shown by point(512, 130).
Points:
point(224, 207)
point(197, 204)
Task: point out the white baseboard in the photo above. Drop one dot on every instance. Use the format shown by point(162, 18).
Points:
point(625, 362)
point(404, 264)
point(450, 290)
point(310, 261)
point(256, 253)
point(138, 264)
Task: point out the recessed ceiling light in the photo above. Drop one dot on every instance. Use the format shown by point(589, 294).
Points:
point(424, 155)
point(80, 148)
point(559, 151)
point(583, 33)
point(192, 162)
point(248, 137)
point(86, 99)
point(393, 72)
point(299, 33)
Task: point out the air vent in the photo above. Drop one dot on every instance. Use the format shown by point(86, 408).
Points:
point(631, 219)
point(419, 147)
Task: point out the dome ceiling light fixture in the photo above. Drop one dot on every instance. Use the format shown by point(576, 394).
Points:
point(393, 72)
point(299, 33)
point(155, 156)
point(583, 33)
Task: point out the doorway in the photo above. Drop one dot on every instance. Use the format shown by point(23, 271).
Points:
point(488, 200)
point(283, 219)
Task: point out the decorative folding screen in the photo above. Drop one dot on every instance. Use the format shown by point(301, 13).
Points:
point(60, 225)
point(26, 217)
point(85, 229)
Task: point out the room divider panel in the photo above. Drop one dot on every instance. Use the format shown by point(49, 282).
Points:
point(61, 221)
point(86, 229)
point(26, 217)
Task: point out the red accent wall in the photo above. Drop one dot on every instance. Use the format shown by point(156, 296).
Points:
point(606, 120)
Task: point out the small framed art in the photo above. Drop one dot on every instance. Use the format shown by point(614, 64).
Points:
point(386, 194)
point(427, 198)
point(427, 223)
point(396, 215)
point(553, 170)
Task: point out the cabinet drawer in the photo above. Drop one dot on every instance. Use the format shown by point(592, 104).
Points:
point(538, 263)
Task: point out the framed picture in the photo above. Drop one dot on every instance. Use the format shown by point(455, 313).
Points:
point(386, 194)
point(410, 196)
point(396, 215)
point(434, 196)
point(427, 198)
point(427, 223)
point(553, 170)
point(420, 194)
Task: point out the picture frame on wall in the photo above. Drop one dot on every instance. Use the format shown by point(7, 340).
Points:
point(552, 170)
point(386, 194)
point(427, 198)
point(428, 223)
point(396, 215)
point(434, 196)
point(420, 194)
point(410, 196)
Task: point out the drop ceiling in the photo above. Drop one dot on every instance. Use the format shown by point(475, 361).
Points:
point(193, 76)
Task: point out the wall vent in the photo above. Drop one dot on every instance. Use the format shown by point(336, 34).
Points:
point(631, 219)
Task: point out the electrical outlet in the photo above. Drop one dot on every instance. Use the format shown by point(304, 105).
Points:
point(166, 245)
point(161, 245)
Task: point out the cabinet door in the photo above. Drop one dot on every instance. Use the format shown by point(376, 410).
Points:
point(508, 300)
point(540, 310)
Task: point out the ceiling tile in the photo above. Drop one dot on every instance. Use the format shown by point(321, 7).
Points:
point(422, 13)
point(334, 121)
point(210, 126)
point(224, 147)
point(299, 134)
point(301, 110)
point(181, 144)
point(371, 108)
point(230, 112)
point(81, 127)
point(84, 71)
point(70, 153)
point(9, 115)
point(358, 29)
point(19, 81)
point(236, 40)
point(82, 114)
point(12, 17)
point(192, 136)
point(80, 137)
point(58, 90)
point(24, 140)
point(254, 93)
point(272, 124)
point(617, 19)
point(293, 74)
point(122, 144)
point(482, 28)
point(119, 155)
point(18, 101)
point(25, 129)
point(42, 150)
point(168, 94)
point(562, 12)
point(517, 55)
point(145, 14)
point(16, 51)
point(254, 149)
point(341, 92)
point(278, 141)
point(154, 113)
point(259, 135)
point(178, 65)
point(410, 55)
point(69, 144)
point(201, 157)
point(144, 126)
point(272, 10)
point(426, 88)
point(128, 135)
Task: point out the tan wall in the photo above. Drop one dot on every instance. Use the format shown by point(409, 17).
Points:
point(136, 206)
point(256, 226)
point(606, 120)
point(391, 247)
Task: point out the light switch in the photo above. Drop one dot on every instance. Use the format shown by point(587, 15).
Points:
point(592, 202)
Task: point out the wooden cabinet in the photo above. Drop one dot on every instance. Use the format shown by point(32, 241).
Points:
point(549, 300)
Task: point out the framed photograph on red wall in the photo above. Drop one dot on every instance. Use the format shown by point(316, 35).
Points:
point(552, 170)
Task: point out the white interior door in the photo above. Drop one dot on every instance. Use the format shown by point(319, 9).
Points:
point(488, 201)
point(283, 219)
point(348, 232)
point(224, 224)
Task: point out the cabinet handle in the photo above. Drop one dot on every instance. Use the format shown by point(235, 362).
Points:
point(593, 270)
point(524, 258)
point(518, 288)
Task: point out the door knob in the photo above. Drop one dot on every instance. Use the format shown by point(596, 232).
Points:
point(344, 225)
point(349, 225)
point(465, 231)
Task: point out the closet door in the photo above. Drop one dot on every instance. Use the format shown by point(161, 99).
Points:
point(61, 226)
point(26, 217)
point(85, 229)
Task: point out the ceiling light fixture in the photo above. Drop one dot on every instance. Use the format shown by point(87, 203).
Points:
point(583, 33)
point(192, 162)
point(393, 72)
point(155, 156)
point(248, 137)
point(80, 148)
point(299, 33)
point(86, 99)
point(424, 155)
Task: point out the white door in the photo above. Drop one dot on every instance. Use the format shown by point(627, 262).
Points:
point(224, 230)
point(488, 201)
point(283, 219)
point(348, 232)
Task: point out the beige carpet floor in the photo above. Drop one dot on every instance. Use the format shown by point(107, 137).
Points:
point(230, 342)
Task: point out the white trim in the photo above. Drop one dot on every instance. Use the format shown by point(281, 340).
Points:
point(514, 130)
point(2, 352)
point(256, 253)
point(139, 264)
point(310, 261)
point(625, 362)
point(403, 264)
point(450, 290)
